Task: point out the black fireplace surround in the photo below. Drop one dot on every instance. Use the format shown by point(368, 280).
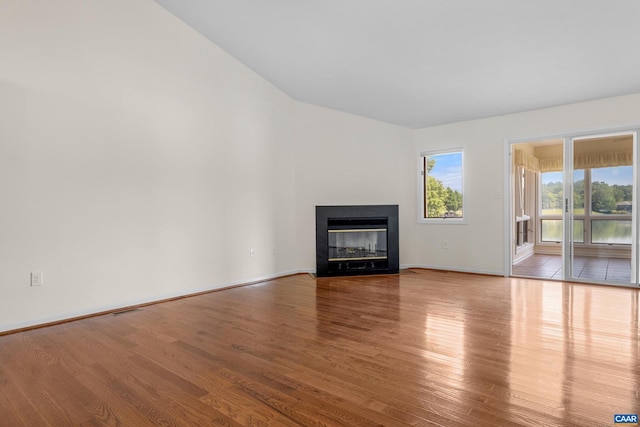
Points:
point(353, 240)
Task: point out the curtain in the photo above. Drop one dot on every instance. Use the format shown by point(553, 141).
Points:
point(584, 161)
point(526, 161)
point(603, 160)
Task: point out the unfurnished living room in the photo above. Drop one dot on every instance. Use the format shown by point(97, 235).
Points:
point(321, 213)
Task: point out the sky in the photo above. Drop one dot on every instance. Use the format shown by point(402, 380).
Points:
point(621, 175)
point(448, 170)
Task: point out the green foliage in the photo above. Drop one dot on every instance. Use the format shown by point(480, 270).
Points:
point(552, 195)
point(430, 164)
point(578, 194)
point(604, 197)
point(441, 199)
point(436, 198)
point(454, 200)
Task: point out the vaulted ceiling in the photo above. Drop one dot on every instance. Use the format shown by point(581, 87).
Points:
point(420, 63)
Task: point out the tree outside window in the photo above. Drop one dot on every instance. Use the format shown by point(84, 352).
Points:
point(442, 185)
point(602, 205)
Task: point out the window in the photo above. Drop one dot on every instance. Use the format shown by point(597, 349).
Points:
point(551, 193)
point(525, 185)
point(611, 203)
point(552, 230)
point(551, 201)
point(442, 194)
point(602, 205)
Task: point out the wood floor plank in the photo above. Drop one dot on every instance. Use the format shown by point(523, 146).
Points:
point(422, 348)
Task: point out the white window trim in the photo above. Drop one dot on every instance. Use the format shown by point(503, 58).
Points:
point(421, 190)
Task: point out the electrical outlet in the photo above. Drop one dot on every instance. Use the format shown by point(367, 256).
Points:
point(37, 279)
point(445, 244)
point(252, 252)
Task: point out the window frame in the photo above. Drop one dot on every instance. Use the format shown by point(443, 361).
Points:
point(422, 178)
point(547, 217)
point(587, 217)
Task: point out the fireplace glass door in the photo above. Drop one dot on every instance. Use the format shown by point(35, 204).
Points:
point(358, 244)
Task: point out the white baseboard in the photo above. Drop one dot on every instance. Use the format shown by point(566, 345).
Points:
point(458, 270)
point(209, 288)
point(140, 302)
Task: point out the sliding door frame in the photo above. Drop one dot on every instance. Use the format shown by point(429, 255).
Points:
point(568, 210)
point(568, 137)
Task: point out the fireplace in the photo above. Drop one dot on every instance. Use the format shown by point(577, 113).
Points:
point(356, 240)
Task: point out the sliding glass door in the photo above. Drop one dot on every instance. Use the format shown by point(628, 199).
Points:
point(599, 219)
point(573, 209)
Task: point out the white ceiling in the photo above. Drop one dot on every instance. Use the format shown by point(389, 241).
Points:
point(419, 63)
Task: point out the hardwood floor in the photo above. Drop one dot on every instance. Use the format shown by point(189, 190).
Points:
point(422, 348)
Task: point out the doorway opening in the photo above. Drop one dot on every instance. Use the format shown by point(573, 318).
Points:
point(572, 215)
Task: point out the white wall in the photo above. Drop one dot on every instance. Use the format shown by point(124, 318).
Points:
point(479, 245)
point(137, 161)
point(343, 159)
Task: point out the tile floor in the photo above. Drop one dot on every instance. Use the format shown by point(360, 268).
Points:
point(597, 269)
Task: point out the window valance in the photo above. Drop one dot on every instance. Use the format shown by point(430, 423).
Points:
point(584, 161)
point(526, 161)
point(603, 160)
